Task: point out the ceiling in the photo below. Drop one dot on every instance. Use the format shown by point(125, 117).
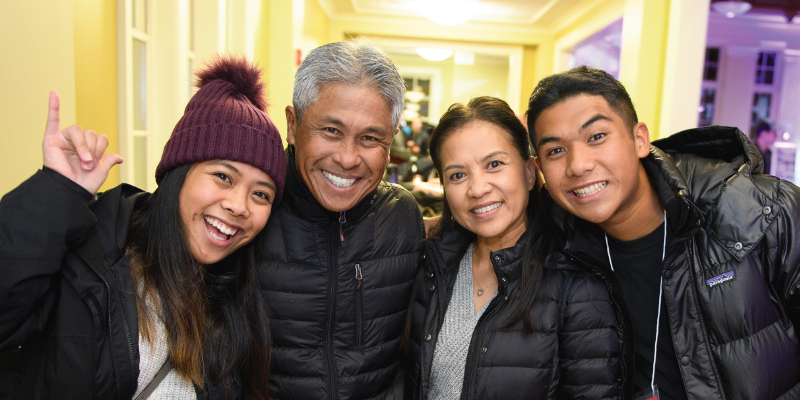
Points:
point(789, 8)
point(546, 15)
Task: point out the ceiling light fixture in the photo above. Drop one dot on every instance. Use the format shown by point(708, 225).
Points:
point(449, 12)
point(731, 9)
point(434, 54)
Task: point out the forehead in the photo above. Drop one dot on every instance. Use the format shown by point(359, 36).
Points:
point(476, 138)
point(568, 117)
point(340, 100)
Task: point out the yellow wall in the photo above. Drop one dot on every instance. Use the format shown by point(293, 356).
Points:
point(95, 30)
point(479, 79)
point(315, 26)
point(529, 75)
point(36, 43)
point(644, 34)
point(274, 51)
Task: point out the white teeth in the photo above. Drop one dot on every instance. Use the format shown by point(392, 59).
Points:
point(590, 190)
point(340, 182)
point(222, 228)
point(487, 208)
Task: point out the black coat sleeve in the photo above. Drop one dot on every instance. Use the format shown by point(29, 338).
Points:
point(39, 221)
point(590, 345)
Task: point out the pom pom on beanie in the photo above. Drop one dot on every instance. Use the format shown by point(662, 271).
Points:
point(226, 120)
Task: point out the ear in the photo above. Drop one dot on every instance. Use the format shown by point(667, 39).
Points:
point(291, 125)
point(531, 173)
point(641, 138)
point(539, 173)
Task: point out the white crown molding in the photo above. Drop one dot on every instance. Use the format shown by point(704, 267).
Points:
point(421, 22)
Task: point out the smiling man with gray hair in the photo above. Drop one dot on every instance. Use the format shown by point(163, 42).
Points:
point(340, 254)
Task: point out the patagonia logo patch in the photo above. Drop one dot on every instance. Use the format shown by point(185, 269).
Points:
point(720, 279)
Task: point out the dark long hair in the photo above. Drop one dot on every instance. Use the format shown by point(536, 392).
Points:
point(215, 318)
point(538, 241)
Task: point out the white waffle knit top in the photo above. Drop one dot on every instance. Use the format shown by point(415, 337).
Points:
point(452, 345)
point(151, 358)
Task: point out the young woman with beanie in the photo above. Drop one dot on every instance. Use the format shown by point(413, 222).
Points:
point(134, 295)
point(497, 313)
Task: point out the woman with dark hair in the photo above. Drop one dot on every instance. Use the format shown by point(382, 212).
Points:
point(497, 313)
point(136, 295)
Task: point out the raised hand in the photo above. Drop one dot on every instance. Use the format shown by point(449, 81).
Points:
point(76, 153)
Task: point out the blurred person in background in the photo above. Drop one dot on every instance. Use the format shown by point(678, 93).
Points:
point(764, 137)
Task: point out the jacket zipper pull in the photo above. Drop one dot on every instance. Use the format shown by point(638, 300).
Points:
point(342, 220)
point(358, 275)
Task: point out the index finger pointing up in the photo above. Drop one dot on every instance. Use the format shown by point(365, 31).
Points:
point(53, 120)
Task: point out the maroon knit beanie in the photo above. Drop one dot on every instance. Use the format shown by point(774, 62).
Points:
point(226, 120)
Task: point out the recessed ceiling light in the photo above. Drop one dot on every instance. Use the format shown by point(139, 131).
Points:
point(434, 54)
point(449, 12)
point(731, 9)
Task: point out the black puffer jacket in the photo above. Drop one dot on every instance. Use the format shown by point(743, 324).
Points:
point(336, 333)
point(576, 348)
point(730, 273)
point(68, 324)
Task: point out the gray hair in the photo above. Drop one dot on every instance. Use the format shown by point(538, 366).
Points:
point(350, 62)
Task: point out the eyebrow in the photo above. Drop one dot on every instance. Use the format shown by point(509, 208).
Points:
point(236, 170)
point(597, 117)
point(486, 157)
point(371, 129)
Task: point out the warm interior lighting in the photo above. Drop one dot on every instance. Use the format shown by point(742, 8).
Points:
point(434, 54)
point(449, 12)
point(464, 58)
point(415, 96)
point(731, 9)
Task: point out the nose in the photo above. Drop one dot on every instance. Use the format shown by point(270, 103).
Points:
point(579, 162)
point(235, 202)
point(347, 154)
point(479, 185)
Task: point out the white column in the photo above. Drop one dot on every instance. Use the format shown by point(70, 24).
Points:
point(683, 71)
point(789, 112)
point(735, 95)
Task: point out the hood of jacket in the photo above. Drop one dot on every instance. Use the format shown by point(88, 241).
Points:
point(115, 207)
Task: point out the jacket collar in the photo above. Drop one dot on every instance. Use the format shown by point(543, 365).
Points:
point(687, 170)
point(297, 197)
point(115, 205)
point(454, 242)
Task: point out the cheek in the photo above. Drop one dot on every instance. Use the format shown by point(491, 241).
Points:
point(455, 199)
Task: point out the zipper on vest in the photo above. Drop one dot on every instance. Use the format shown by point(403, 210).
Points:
point(332, 268)
point(342, 220)
point(359, 307)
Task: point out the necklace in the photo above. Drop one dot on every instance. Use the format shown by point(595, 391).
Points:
point(480, 290)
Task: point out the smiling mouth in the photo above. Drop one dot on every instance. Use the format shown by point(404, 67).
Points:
point(590, 190)
point(487, 208)
point(338, 181)
point(219, 230)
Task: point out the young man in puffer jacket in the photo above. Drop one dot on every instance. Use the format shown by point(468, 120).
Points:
point(703, 244)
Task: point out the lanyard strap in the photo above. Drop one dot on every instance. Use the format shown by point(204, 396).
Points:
point(660, 292)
